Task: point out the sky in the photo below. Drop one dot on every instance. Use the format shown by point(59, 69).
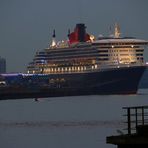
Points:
point(26, 26)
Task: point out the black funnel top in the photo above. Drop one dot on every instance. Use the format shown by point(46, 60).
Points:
point(81, 32)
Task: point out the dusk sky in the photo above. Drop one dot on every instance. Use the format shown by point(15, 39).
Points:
point(27, 25)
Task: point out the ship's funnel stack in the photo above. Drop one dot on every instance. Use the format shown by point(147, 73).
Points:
point(79, 34)
point(80, 29)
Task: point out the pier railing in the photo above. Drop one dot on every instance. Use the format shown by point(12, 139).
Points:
point(136, 116)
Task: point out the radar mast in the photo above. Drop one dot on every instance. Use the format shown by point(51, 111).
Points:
point(53, 43)
point(117, 31)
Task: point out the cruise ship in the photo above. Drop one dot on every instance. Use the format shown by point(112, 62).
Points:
point(82, 65)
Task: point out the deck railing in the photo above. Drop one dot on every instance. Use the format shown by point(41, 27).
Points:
point(136, 116)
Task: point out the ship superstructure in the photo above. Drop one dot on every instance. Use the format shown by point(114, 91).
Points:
point(81, 53)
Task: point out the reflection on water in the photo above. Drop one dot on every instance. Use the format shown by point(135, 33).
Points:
point(61, 124)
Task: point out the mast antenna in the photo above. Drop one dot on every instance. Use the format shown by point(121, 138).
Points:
point(53, 43)
point(117, 31)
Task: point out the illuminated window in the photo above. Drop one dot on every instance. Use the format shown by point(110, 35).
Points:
point(96, 66)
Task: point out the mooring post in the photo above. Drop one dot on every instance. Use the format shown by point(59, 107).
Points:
point(136, 116)
point(129, 120)
point(142, 115)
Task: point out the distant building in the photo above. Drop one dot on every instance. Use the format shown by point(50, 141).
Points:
point(2, 65)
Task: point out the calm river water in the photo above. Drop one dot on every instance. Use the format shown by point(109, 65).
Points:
point(66, 122)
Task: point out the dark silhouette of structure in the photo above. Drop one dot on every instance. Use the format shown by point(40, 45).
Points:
point(137, 129)
point(2, 65)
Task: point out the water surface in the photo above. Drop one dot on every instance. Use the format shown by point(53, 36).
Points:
point(66, 122)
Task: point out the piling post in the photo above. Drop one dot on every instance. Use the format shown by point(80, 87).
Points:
point(129, 120)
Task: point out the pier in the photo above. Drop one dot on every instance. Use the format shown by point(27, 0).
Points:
point(136, 135)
